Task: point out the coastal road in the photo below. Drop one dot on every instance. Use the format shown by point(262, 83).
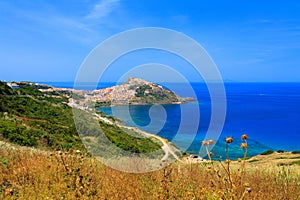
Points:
point(165, 147)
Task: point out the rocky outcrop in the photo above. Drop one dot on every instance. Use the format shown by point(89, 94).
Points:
point(136, 91)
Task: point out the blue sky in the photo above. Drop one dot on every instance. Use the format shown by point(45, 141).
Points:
point(253, 41)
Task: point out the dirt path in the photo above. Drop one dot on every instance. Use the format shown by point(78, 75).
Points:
point(166, 147)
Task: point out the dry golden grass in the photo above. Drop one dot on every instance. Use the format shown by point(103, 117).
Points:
point(27, 174)
point(275, 158)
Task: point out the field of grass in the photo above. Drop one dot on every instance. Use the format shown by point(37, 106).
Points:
point(27, 173)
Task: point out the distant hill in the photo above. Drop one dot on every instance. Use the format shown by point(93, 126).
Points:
point(136, 91)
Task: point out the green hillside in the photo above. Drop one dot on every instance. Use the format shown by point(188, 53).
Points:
point(29, 117)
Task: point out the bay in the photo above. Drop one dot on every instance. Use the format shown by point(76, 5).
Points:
point(268, 112)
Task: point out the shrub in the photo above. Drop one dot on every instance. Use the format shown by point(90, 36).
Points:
point(127, 142)
point(296, 152)
point(268, 152)
point(296, 163)
point(254, 160)
point(3, 161)
point(280, 151)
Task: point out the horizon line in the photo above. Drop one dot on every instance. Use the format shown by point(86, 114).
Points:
point(226, 81)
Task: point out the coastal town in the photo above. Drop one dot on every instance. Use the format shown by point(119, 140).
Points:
point(135, 91)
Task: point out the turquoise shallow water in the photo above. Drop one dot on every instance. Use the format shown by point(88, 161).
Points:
point(268, 112)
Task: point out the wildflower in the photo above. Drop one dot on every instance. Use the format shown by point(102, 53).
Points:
point(227, 161)
point(204, 143)
point(248, 189)
point(8, 191)
point(77, 151)
point(239, 160)
point(244, 145)
point(229, 140)
point(59, 153)
point(210, 142)
point(244, 137)
point(51, 154)
point(210, 154)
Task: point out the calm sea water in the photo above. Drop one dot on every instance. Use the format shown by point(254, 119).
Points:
point(268, 112)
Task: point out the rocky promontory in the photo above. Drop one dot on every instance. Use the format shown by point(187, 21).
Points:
point(136, 91)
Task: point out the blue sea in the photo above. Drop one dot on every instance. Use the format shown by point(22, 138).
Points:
point(269, 113)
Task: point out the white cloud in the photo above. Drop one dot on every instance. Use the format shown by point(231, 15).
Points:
point(102, 9)
point(85, 29)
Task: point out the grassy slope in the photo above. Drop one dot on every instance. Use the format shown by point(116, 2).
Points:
point(29, 118)
point(29, 174)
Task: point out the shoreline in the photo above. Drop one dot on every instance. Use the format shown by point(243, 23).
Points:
point(186, 157)
point(189, 99)
point(168, 147)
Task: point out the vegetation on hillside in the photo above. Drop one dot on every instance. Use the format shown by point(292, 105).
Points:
point(128, 142)
point(98, 136)
point(29, 117)
point(146, 94)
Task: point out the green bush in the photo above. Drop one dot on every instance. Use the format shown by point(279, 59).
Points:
point(127, 142)
point(280, 151)
point(296, 152)
point(254, 160)
point(4, 162)
point(268, 152)
point(296, 163)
